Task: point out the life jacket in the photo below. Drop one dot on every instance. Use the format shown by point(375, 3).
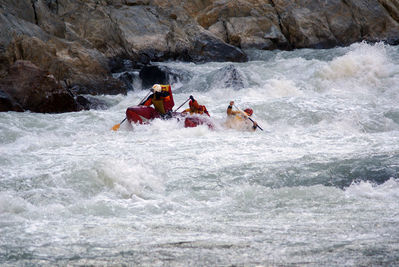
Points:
point(202, 110)
point(196, 108)
point(164, 104)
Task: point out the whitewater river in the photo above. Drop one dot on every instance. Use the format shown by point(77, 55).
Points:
point(318, 187)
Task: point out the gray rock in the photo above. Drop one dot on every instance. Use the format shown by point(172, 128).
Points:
point(245, 24)
point(21, 9)
point(228, 77)
point(323, 24)
point(270, 24)
point(80, 42)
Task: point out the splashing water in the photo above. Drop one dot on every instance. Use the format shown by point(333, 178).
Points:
point(318, 187)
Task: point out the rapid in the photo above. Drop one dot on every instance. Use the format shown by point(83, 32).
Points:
point(319, 186)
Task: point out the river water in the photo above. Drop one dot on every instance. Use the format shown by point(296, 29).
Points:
point(319, 186)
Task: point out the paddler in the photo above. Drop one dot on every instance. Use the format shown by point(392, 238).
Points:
point(161, 99)
point(240, 119)
point(195, 108)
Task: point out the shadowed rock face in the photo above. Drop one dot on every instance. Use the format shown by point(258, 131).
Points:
point(7, 103)
point(30, 88)
point(150, 75)
point(80, 42)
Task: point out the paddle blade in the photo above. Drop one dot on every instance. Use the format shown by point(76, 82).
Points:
point(116, 127)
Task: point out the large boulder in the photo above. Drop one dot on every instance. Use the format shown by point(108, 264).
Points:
point(322, 24)
point(245, 24)
point(206, 47)
point(150, 75)
point(81, 42)
point(156, 34)
point(270, 24)
point(392, 6)
point(29, 88)
point(20, 9)
point(70, 63)
point(77, 41)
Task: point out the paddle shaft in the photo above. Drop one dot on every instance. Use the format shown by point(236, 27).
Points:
point(248, 117)
point(256, 123)
point(182, 105)
point(145, 97)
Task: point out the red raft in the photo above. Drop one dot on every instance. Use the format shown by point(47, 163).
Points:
point(194, 121)
point(141, 114)
point(144, 114)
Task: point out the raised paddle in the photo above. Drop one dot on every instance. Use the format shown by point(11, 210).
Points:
point(117, 126)
point(181, 105)
point(248, 117)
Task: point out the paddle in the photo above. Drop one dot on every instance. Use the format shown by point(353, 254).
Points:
point(117, 126)
point(181, 105)
point(245, 115)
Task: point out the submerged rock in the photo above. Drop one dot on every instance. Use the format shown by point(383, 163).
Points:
point(127, 78)
point(89, 102)
point(228, 77)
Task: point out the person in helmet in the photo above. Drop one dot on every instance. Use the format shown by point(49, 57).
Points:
point(157, 98)
point(239, 119)
point(195, 108)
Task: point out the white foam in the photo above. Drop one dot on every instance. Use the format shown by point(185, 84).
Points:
point(282, 88)
point(11, 203)
point(73, 178)
point(132, 177)
point(364, 63)
point(389, 190)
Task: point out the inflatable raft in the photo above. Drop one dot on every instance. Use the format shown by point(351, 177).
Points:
point(144, 114)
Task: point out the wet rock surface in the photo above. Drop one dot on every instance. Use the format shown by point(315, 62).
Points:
point(229, 77)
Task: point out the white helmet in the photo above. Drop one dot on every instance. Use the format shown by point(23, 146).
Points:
point(157, 88)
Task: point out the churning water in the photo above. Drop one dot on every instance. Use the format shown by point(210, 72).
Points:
point(319, 186)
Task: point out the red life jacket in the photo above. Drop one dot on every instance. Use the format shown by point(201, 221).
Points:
point(196, 108)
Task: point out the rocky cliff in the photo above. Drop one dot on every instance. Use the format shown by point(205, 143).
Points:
point(79, 43)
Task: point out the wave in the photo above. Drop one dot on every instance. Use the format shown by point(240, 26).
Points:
point(388, 191)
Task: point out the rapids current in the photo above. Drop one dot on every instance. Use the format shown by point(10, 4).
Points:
point(319, 186)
